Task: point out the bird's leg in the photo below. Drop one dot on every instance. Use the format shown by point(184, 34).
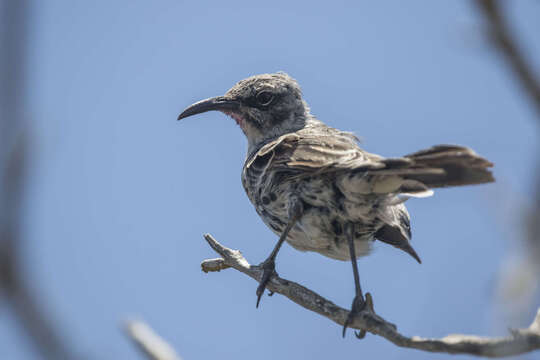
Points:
point(358, 303)
point(269, 265)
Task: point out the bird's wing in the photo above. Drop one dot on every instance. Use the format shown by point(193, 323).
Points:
point(309, 154)
point(299, 155)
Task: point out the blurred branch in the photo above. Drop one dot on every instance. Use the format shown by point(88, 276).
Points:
point(149, 342)
point(27, 306)
point(520, 341)
point(503, 40)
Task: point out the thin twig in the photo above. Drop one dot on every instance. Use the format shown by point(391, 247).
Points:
point(520, 341)
point(149, 342)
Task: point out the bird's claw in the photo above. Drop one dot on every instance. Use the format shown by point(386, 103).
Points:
point(358, 305)
point(269, 269)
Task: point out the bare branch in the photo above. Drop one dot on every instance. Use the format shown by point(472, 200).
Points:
point(520, 341)
point(213, 265)
point(504, 41)
point(149, 342)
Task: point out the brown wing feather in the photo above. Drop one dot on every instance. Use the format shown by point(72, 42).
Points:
point(313, 153)
point(305, 153)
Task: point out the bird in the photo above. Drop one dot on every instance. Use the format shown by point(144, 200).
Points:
point(315, 188)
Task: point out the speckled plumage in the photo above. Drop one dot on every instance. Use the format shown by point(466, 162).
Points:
point(314, 163)
point(336, 180)
point(303, 175)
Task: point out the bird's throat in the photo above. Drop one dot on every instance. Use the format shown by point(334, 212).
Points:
point(240, 121)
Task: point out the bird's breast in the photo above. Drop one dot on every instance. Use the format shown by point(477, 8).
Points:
point(326, 210)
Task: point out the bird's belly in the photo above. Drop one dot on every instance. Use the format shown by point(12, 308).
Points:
point(321, 232)
point(326, 211)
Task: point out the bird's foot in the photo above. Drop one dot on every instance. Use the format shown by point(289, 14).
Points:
point(269, 269)
point(358, 305)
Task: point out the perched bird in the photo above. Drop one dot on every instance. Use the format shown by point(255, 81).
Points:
point(317, 189)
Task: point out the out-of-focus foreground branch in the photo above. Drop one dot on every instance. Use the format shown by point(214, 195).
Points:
point(149, 342)
point(520, 341)
point(27, 306)
point(502, 38)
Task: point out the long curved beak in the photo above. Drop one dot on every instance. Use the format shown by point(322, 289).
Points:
point(219, 103)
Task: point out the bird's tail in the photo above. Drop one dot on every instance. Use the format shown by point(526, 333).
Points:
point(452, 166)
point(438, 166)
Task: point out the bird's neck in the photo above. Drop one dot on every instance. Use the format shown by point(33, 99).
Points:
point(258, 140)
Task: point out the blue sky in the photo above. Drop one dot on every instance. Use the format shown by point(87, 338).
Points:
point(121, 193)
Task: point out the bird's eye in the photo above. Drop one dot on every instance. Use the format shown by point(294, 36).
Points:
point(265, 98)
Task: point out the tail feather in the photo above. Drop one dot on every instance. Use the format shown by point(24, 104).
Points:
point(417, 173)
point(448, 165)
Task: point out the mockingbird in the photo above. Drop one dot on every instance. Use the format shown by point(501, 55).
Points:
point(317, 189)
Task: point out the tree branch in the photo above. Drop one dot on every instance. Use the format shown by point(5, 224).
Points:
point(520, 341)
point(506, 43)
point(503, 40)
point(27, 305)
point(149, 342)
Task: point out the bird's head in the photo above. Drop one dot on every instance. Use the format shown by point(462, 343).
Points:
point(265, 106)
